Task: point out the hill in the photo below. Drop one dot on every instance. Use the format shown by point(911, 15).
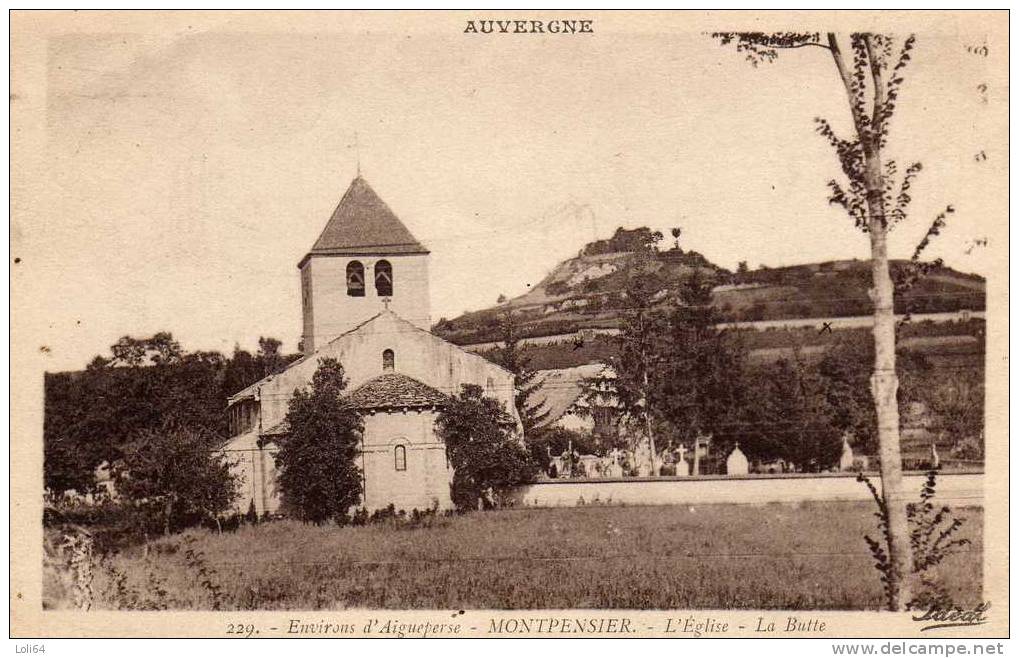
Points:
point(588, 291)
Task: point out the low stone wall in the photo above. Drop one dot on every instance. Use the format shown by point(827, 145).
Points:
point(957, 489)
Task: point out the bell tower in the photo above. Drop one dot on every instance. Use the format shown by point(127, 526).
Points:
point(364, 262)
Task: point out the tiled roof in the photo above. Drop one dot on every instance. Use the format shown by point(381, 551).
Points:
point(362, 222)
point(562, 388)
point(279, 429)
point(388, 391)
point(393, 390)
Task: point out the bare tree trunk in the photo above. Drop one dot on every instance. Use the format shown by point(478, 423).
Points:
point(884, 386)
point(167, 513)
point(884, 383)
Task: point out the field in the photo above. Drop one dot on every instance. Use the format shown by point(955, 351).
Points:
point(809, 556)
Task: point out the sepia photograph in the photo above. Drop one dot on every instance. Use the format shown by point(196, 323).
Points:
point(531, 323)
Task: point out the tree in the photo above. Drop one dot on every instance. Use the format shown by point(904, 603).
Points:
point(271, 355)
point(161, 348)
point(697, 386)
point(174, 477)
point(871, 82)
point(240, 371)
point(639, 338)
point(481, 445)
point(89, 415)
point(677, 369)
point(790, 417)
point(845, 374)
point(144, 384)
point(511, 356)
point(317, 461)
point(958, 407)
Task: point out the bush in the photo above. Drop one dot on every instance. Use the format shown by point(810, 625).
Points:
point(171, 478)
point(481, 443)
point(930, 537)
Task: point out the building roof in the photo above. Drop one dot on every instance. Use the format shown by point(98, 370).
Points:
point(562, 388)
point(363, 224)
point(389, 391)
point(251, 391)
point(393, 390)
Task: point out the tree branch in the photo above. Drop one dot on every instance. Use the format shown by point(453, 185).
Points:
point(802, 45)
point(847, 82)
point(879, 87)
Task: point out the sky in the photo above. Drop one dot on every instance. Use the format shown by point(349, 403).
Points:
point(168, 175)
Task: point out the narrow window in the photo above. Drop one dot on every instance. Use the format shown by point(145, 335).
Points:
point(383, 279)
point(388, 360)
point(400, 458)
point(355, 279)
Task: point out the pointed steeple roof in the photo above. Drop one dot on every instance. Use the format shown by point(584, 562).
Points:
point(363, 224)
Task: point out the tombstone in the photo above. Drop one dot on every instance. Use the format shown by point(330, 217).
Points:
point(701, 444)
point(590, 465)
point(736, 463)
point(642, 460)
point(615, 468)
point(847, 459)
point(682, 467)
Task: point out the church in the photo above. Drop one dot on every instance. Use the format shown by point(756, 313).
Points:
point(365, 302)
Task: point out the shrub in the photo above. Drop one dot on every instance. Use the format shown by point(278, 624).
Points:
point(481, 444)
point(930, 538)
point(170, 478)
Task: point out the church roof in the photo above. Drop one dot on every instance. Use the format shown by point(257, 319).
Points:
point(251, 392)
point(363, 224)
point(393, 390)
point(389, 391)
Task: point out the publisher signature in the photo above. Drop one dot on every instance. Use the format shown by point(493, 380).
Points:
point(953, 616)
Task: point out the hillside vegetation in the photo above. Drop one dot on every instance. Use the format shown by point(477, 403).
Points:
point(587, 291)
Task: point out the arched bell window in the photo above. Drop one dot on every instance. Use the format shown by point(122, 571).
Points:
point(383, 279)
point(400, 458)
point(355, 279)
point(388, 360)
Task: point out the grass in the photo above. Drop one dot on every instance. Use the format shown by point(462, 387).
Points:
point(774, 556)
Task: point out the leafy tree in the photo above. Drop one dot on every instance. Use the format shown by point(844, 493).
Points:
point(481, 444)
point(790, 417)
point(512, 357)
point(161, 348)
point(639, 340)
point(698, 384)
point(317, 462)
point(875, 197)
point(845, 376)
point(144, 384)
point(271, 355)
point(958, 407)
point(240, 371)
point(89, 415)
point(677, 369)
point(173, 477)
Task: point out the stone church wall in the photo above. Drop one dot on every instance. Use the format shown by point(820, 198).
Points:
point(405, 441)
point(419, 355)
